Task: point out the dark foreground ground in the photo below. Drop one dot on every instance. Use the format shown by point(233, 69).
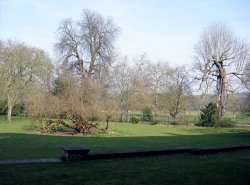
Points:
point(226, 168)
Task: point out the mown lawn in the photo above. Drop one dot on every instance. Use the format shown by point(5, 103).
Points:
point(19, 140)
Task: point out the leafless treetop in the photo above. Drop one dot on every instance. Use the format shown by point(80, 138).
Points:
point(88, 44)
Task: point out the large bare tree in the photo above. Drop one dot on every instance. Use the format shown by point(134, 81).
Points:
point(20, 66)
point(219, 59)
point(86, 46)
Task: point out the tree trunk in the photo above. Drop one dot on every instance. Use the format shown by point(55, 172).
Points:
point(107, 121)
point(156, 104)
point(173, 115)
point(92, 63)
point(121, 117)
point(221, 96)
point(127, 109)
point(10, 106)
point(127, 114)
point(107, 124)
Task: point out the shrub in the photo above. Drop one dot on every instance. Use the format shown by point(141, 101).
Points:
point(93, 118)
point(147, 114)
point(209, 116)
point(17, 108)
point(134, 120)
point(3, 107)
point(227, 122)
point(63, 115)
point(154, 122)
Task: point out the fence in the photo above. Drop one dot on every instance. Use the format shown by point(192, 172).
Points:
point(180, 119)
point(162, 119)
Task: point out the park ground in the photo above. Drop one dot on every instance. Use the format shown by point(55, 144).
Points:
point(21, 140)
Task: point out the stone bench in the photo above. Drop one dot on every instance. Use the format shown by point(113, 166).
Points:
point(138, 153)
point(80, 153)
point(74, 153)
point(210, 150)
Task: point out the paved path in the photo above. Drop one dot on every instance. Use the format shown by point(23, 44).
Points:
point(29, 161)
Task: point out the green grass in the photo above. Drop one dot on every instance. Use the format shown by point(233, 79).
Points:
point(18, 125)
point(19, 140)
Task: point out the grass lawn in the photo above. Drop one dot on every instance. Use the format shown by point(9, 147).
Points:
point(18, 140)
point(21, 141)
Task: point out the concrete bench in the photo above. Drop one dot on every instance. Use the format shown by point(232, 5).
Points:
point(80, 153)
point(74, 152)
point(210, 150)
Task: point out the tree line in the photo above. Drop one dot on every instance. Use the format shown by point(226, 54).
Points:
point(93, 80)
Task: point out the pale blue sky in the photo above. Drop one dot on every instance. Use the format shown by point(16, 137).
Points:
point(166, 30)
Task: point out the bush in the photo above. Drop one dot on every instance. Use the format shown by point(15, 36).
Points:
point(227, 122)
point(16, 110)
point(134, 120)
point(93, 118)
point(209, 116)
point(3, 108)
point(154, 122)
point(147, 114)
point(63, 115)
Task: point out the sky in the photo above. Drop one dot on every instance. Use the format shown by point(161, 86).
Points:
point(166, 30)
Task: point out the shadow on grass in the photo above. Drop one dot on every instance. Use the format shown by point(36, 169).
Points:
point(28, 146)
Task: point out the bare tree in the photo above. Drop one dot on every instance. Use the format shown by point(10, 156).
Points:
point(177, 89)
point(142, 96)
point(20, 66)
point(219, 57)
point(123, 85)
point(87, 46)
point(157, 73)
